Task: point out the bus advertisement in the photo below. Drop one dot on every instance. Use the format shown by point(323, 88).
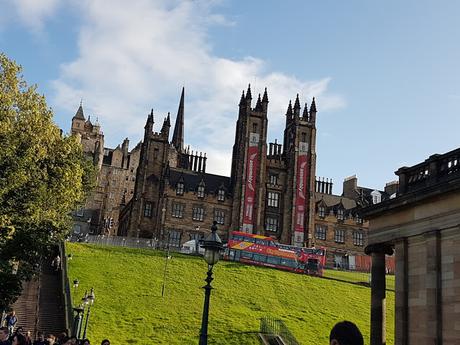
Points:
point(265, 251)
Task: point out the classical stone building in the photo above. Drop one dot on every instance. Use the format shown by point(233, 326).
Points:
point(116, 171)
point(422, 225)
point(272, 189)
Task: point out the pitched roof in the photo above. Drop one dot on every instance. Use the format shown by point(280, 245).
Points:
point(191, 180)
point(333, 200)
point(79, 114)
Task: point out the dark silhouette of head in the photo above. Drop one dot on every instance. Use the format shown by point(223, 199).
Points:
point(346, 333)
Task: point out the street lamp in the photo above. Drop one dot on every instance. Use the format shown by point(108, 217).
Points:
point(212, 246)
point(89, 300)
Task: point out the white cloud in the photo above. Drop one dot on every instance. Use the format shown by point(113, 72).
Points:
point(135, 57)
point(33, 13)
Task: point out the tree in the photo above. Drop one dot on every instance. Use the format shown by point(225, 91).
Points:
point(43, 177)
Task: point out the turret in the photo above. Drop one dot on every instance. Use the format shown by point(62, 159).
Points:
point(166, 126)
point(313, 111)
point(149, 124)
point(265, 101)
point(297, 107)
point(248, 97)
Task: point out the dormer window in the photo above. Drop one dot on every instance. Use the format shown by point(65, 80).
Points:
point(340, 214)
point(322, 211)
point(180, 188)
point(200, 190)
point(376, 197)
point(220, 195)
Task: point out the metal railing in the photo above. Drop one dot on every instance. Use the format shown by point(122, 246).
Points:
point(272, 326)
point(129, 242)
point(65, 286)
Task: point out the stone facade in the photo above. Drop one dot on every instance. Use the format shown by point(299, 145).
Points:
point(116, 171)
point(422, 225)
point(272, 189)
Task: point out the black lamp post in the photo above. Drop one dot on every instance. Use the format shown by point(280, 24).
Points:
point(77, 320)
point(212, 246)
point(89, 300)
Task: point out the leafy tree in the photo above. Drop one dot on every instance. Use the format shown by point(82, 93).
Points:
point(43, 177)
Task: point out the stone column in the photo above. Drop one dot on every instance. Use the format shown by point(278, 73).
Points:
point(378, 295)
point(401, 294)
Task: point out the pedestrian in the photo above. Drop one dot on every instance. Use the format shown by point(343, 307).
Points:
point(4, 336)
point(40, 339)
point(85, 342)
point(11, 321)
point(105, 342)
point(345, 333)
point(51, 339)
point(19, 339)
point(28, 337)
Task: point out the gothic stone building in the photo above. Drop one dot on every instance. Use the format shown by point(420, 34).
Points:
point(116, 171)
point(272, 189)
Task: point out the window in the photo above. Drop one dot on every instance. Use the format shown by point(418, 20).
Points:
point(174, 238)
point(219, 216)
point(321, 211)
point(200, 190)
point(221, 195)
point(339, 236)
point(320, 231)
point(180, 188)
point(196, 236)
point(271, 224)
point(177, 210)
point(198, 213)
point(304, 137)
point(358, 219)
point(273, 179)
point(148, 208)
point(254, 128)
point(273, 199)
point(76, 229)
point(340, 214)
point(358, 238)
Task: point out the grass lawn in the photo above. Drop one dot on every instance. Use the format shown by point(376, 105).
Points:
point(129, 308)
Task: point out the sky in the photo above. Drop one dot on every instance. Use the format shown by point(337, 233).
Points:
point(384, 73)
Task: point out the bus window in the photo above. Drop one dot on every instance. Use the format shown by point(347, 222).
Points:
point(288, 263)
point(231, 253)
point(273, 260)
point(238, 238)
point(260, 258)
point(246, 255)
point(260, 241)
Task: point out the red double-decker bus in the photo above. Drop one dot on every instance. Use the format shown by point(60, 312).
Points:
point(265, 251)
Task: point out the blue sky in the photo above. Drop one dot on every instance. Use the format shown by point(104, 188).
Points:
point(384, 73)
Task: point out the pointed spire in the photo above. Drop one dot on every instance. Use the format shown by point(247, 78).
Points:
point(313, 106)
point(168, 120)
point(289, 109)
point(248, 93)
point(259, 104)
point(149, 122)
point(178, 135)
point(79, 114)
point(265, 97)
point(243, 99)
point(297, 103)
point(305, 112)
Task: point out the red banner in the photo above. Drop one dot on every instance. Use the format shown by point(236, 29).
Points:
point(252, 161)
point(301, 194)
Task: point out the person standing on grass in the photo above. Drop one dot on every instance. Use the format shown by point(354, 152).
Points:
point(105, 342)
point(11, 321)
point(345, 333)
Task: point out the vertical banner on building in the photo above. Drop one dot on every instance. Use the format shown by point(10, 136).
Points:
point(301, 194)
point(252, 161)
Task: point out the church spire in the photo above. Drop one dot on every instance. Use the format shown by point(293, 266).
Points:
point(313, 111)
point(79, 114)
point(248, 93)
point(178, 135)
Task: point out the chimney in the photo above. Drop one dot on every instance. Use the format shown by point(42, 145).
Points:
point(391, 187)
point(350, 185)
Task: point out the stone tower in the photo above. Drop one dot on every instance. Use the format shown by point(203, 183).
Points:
point(149, 184)
point(249, 164)
point(300, 160)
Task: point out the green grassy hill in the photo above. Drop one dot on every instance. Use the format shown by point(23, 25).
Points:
point(129, 308)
